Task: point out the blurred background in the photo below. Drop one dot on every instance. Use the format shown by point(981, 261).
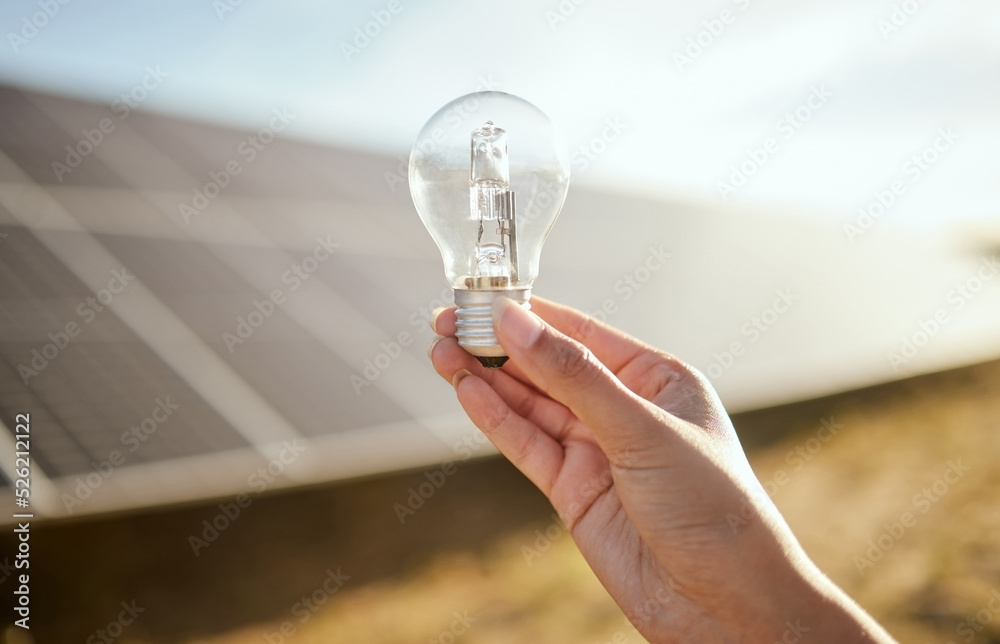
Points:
point(215, 289)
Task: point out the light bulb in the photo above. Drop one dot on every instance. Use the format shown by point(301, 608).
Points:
point(488, 175)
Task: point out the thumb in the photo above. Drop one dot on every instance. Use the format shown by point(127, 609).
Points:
point(623, 423)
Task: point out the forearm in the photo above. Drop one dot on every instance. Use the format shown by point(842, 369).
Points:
point(799, 603)
point(837, 617)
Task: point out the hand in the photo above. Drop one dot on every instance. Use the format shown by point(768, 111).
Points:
point(639, 458)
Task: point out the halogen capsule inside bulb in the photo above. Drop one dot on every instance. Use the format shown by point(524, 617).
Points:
point(491, 204)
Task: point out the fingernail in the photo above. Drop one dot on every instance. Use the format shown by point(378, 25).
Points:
point(434, 318)
point(430, 347)
point(461, 373)
point(515, 323)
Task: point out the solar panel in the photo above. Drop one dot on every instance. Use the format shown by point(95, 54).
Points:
point(278, 323)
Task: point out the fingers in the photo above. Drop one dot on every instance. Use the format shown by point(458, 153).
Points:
point(443, 321)
point(659, 377)
point(612, 347)
point(552, 417)
point(622, 422)
point(654, 375)
point(536, 454)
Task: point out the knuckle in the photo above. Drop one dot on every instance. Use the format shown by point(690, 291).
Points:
point(526, 404)
point(574, 361)
point(498, 417)
point(673, 368)
point(526, 447)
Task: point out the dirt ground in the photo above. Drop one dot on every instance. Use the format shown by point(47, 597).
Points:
point(893, 490)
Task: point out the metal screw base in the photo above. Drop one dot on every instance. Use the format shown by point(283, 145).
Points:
point(474, 310)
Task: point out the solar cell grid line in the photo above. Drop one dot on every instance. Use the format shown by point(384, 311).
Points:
point(35, 141)
point(203, 148)
point(325, 312)
point(23, 316)
point(60, 391)
point(359, 436)
point(151, 321)
point(319, 313)
point(106, 369)
point(57, 450)
point(82, 191)
point(282, 361)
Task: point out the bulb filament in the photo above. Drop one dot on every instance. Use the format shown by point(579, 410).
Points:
point(492, 207)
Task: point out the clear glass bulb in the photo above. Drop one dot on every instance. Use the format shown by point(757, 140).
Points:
point(488, 175)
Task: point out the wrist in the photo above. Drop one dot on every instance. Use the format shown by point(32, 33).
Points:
point(837, 617)
point(792, 600)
